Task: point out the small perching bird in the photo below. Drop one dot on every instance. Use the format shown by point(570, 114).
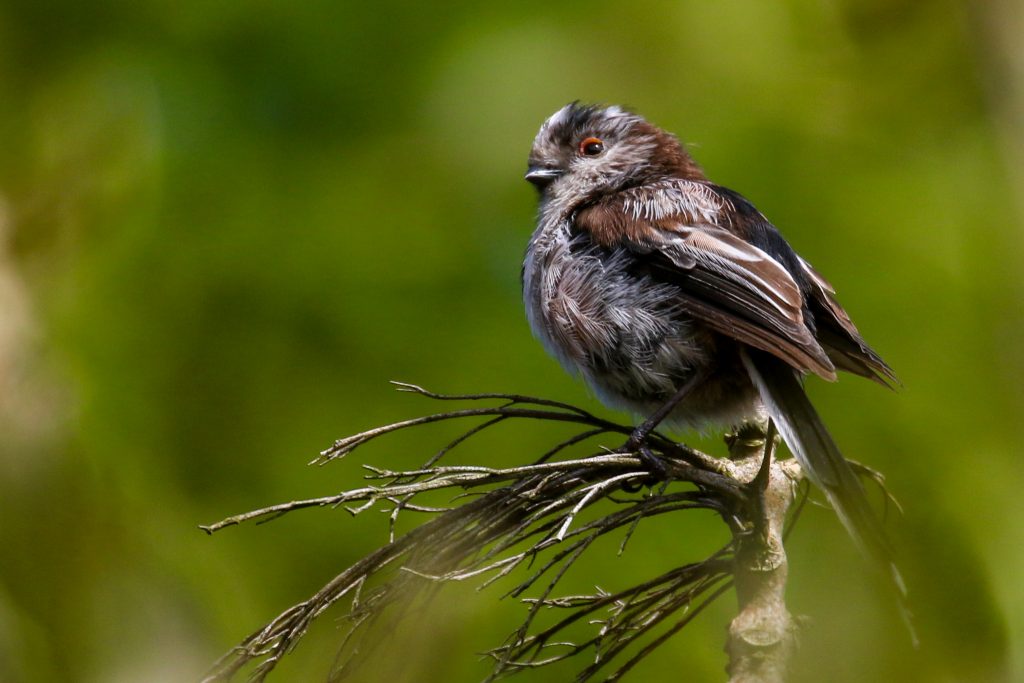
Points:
point(673, 296)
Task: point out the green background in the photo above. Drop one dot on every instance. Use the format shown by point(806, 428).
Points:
point(224, 226)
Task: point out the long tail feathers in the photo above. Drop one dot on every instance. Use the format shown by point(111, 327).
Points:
point(812, 445)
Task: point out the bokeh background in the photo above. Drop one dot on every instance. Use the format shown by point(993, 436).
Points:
point(224, 226)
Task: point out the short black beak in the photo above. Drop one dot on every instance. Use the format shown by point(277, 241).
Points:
point(542, 176)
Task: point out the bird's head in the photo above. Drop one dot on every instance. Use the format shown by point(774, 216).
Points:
point(584, 151)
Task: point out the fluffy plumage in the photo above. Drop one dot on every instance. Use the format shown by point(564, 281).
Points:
point(642, 274)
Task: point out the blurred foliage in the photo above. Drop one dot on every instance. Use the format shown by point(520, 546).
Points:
point(224, 226)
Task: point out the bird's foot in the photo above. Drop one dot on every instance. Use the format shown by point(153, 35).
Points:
point(654, 463)
point(637, 444)
point(758, 437)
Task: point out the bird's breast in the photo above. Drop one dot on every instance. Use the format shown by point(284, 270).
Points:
point(623, 331)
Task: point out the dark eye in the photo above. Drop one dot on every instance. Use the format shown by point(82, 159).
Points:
point(591, 147)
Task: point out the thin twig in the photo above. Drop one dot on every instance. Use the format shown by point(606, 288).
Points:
point(506, 518)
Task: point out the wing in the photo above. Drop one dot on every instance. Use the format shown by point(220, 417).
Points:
point(733, 286)
point(838, 335)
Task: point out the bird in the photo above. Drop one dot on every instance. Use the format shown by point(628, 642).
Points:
point(674, 298)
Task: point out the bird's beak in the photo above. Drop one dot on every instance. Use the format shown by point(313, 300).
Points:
point(541, 176)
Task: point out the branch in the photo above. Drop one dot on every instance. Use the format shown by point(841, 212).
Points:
point(547, 515)
point(762, 636)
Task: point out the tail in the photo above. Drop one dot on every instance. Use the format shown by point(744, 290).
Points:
point(809, 440)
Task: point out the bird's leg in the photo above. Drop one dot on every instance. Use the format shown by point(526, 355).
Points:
point(638, 439)
point(641, 433)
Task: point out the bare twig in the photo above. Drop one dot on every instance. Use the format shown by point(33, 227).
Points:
point(550, 513)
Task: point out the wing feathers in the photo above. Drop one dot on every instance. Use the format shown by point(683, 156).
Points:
point(839, 336)
point(734, 287)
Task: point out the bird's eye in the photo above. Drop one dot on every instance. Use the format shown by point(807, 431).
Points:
point(591, 147)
